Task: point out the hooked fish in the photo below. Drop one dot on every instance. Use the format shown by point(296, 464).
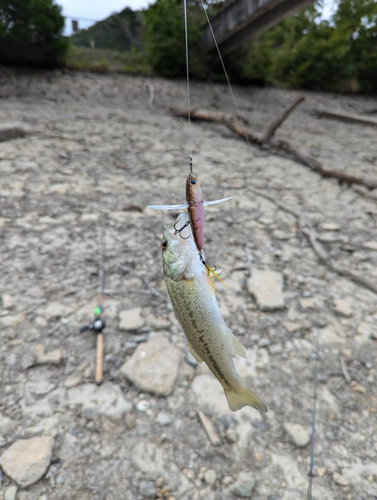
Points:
point(194, 301)
point(195, 207)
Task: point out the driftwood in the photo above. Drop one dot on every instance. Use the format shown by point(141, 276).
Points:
point(345, 117)
point(209, 428)
point(279, 121)
point(312, 238)
point(277, 145)
point(7, 133)
point(150, 95)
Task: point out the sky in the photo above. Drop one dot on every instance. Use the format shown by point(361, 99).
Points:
point(95, 10)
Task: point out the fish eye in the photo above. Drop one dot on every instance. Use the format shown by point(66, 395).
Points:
point(164, 245)
point(193, 181)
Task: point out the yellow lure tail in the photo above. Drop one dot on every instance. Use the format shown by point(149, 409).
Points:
point(211, 271)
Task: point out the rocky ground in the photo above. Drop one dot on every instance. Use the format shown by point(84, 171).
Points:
point(96, 153)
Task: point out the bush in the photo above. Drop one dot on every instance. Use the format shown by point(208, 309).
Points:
point(31, 33)
point(165, 38)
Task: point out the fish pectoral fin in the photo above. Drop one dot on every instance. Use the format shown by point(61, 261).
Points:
point(215, 202)
point(237, 349)
point(194, 353)
point(168, 207)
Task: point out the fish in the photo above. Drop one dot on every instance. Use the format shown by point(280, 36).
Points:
point(195, 206)
point(193, 297)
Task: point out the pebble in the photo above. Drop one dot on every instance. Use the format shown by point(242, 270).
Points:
point(143, 405)
point(339, 479)
point(231, 435)
point(244, 485)
point(370, 245)
point(147, 489)
point(27, 460)
point(28, 360)
point(275, 349)
point(267, 289)
point(131, 320)
point(343, 306)
point(299, 436)
point(11, 493)
point(7, 301)
point(131, 420)
point(47, 358)
point(309, 303)
point(154, 366)
point(163, 419)
point(209, 395)
point(210, 477)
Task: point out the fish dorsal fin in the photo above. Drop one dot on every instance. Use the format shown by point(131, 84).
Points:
point(193, 352)
point(237, 349)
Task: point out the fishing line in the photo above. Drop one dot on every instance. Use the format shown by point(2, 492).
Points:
point(226, 75)
point(310, 473)
point(188, 85)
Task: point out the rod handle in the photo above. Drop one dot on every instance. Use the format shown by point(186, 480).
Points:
point(99, 368)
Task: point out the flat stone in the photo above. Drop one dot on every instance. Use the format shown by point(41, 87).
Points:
point(153, 367)
point(27, 460)
point(290, 326)
point(11, 493)
point(106, 400)
point(149, 459)
point(330, 226)
point(267, 289)
point(130, 320)
point(299, 436)
point(370, 245)
point(210, 477)
point(147, 489)
point(55, 310)
point(244, 485)
point(12, 320)
point(275, 349)
point(7, 301)
point(309, 303)
point(340, 480)
point(343, 306)
point(47, 358)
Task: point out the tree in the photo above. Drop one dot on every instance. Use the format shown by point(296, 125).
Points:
point(31, 33)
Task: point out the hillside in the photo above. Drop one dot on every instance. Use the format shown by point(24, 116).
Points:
point(118, 32)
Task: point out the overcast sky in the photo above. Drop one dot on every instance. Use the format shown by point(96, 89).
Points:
point(95, 9)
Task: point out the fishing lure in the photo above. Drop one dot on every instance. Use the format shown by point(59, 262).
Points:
point(195, 206)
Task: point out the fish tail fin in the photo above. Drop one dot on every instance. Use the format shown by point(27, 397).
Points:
point(244, 397)
point(211, 271)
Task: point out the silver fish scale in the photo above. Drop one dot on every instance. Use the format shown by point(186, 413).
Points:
point(201, 320)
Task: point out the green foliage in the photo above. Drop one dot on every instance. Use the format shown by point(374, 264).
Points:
point(118, 32)
point(164, 38)
point(31, 33)
point(307, 52)
point(108, 61)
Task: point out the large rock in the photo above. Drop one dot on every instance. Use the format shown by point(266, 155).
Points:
point(27, 460)
point(106, 400)
point(267, 289)
point(131, 320)
point(154, 366)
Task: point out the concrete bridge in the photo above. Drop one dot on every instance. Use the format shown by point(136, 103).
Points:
point(243, 20)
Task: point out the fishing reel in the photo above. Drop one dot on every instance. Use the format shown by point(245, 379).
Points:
point(98, 323)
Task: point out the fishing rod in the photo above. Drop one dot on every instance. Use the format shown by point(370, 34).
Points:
point(311, 467)
point(98, 324)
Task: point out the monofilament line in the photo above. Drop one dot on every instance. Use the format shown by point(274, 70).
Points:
point(188, 84)
point(310, 473)
point(226, 75)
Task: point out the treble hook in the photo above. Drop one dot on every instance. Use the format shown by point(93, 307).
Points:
point(176, 231)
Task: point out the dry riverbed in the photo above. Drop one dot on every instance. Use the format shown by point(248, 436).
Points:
point(97, 152)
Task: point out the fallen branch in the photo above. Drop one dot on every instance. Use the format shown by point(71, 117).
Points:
point(343, 366)
point(277, 145)
point(345, 117)
point(7, 133)
point(279, 121)
point(317, 247)
point(209, 428)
